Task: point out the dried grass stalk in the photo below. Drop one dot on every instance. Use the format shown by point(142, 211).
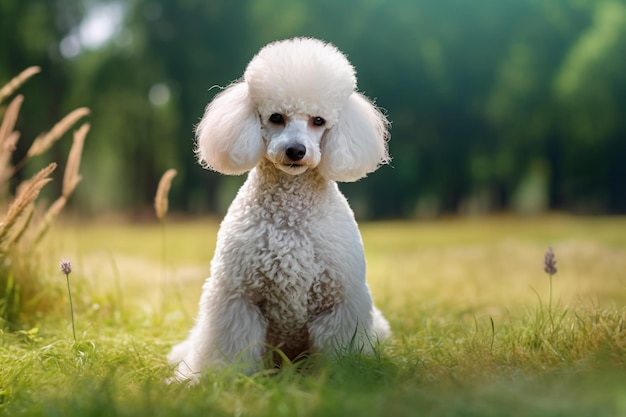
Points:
point(44, 141)
point(10, 142)
point(52, 212)
point(10, 117)
point(9, 138)
point(160, 199)
point(12, 86)
point(22, 225)
point(71, 178)
point(29, 193)
point(6, 169)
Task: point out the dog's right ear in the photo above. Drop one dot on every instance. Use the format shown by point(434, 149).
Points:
point(228, 138)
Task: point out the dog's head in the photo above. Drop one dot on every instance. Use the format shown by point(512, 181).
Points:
point(298, 107)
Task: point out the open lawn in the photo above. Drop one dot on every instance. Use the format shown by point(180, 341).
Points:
point(477, 330)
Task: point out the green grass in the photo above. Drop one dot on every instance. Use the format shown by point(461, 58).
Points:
point(467, 299)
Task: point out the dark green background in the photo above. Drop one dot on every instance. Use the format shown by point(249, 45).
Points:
point(496, 105)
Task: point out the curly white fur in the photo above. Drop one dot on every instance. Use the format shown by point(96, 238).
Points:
point(289, 268)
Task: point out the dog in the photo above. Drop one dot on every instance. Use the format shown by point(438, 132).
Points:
point(288, 271)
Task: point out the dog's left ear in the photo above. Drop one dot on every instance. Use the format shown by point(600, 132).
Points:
point(357, 144)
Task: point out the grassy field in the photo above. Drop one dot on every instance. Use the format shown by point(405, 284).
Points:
point(477, 331)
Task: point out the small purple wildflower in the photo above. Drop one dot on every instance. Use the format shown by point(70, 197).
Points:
point(549, 262)
point(66, 266)
point(66, 269)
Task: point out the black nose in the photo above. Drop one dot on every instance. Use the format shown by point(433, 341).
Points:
point(295, 151)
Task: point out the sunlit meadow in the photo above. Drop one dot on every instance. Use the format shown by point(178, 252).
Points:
point(476, 331)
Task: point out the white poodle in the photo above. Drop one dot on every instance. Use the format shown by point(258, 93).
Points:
point(289, 270)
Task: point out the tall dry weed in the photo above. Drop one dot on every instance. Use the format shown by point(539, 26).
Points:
point(30, 191)
point(11, 87)
point(9, 138)
point(161, 205)
point(71, 178)
point(20, 229)
point(161, 201)
point(45, 141)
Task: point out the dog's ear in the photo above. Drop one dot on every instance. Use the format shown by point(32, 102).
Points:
point(229, 135)
point(357, 144)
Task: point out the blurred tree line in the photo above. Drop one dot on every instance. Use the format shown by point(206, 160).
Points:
point(496, 105)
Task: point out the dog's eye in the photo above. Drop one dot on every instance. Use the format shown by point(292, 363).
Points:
point(318, 121)
point(276, 118)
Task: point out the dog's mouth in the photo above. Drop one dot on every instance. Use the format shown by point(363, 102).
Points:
point(289, 166)
point(292, 168)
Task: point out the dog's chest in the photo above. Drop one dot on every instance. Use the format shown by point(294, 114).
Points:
point(290, 284)
point(279, 255)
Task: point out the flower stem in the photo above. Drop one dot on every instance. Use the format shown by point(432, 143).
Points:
point(67, 276)
point(550, 305)
point(163, 265)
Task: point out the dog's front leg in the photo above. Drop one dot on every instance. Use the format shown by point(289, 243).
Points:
point(240, 330)
point(229, 331)
point(346, 327)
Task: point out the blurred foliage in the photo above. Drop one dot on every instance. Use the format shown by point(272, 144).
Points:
point(495, 105)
